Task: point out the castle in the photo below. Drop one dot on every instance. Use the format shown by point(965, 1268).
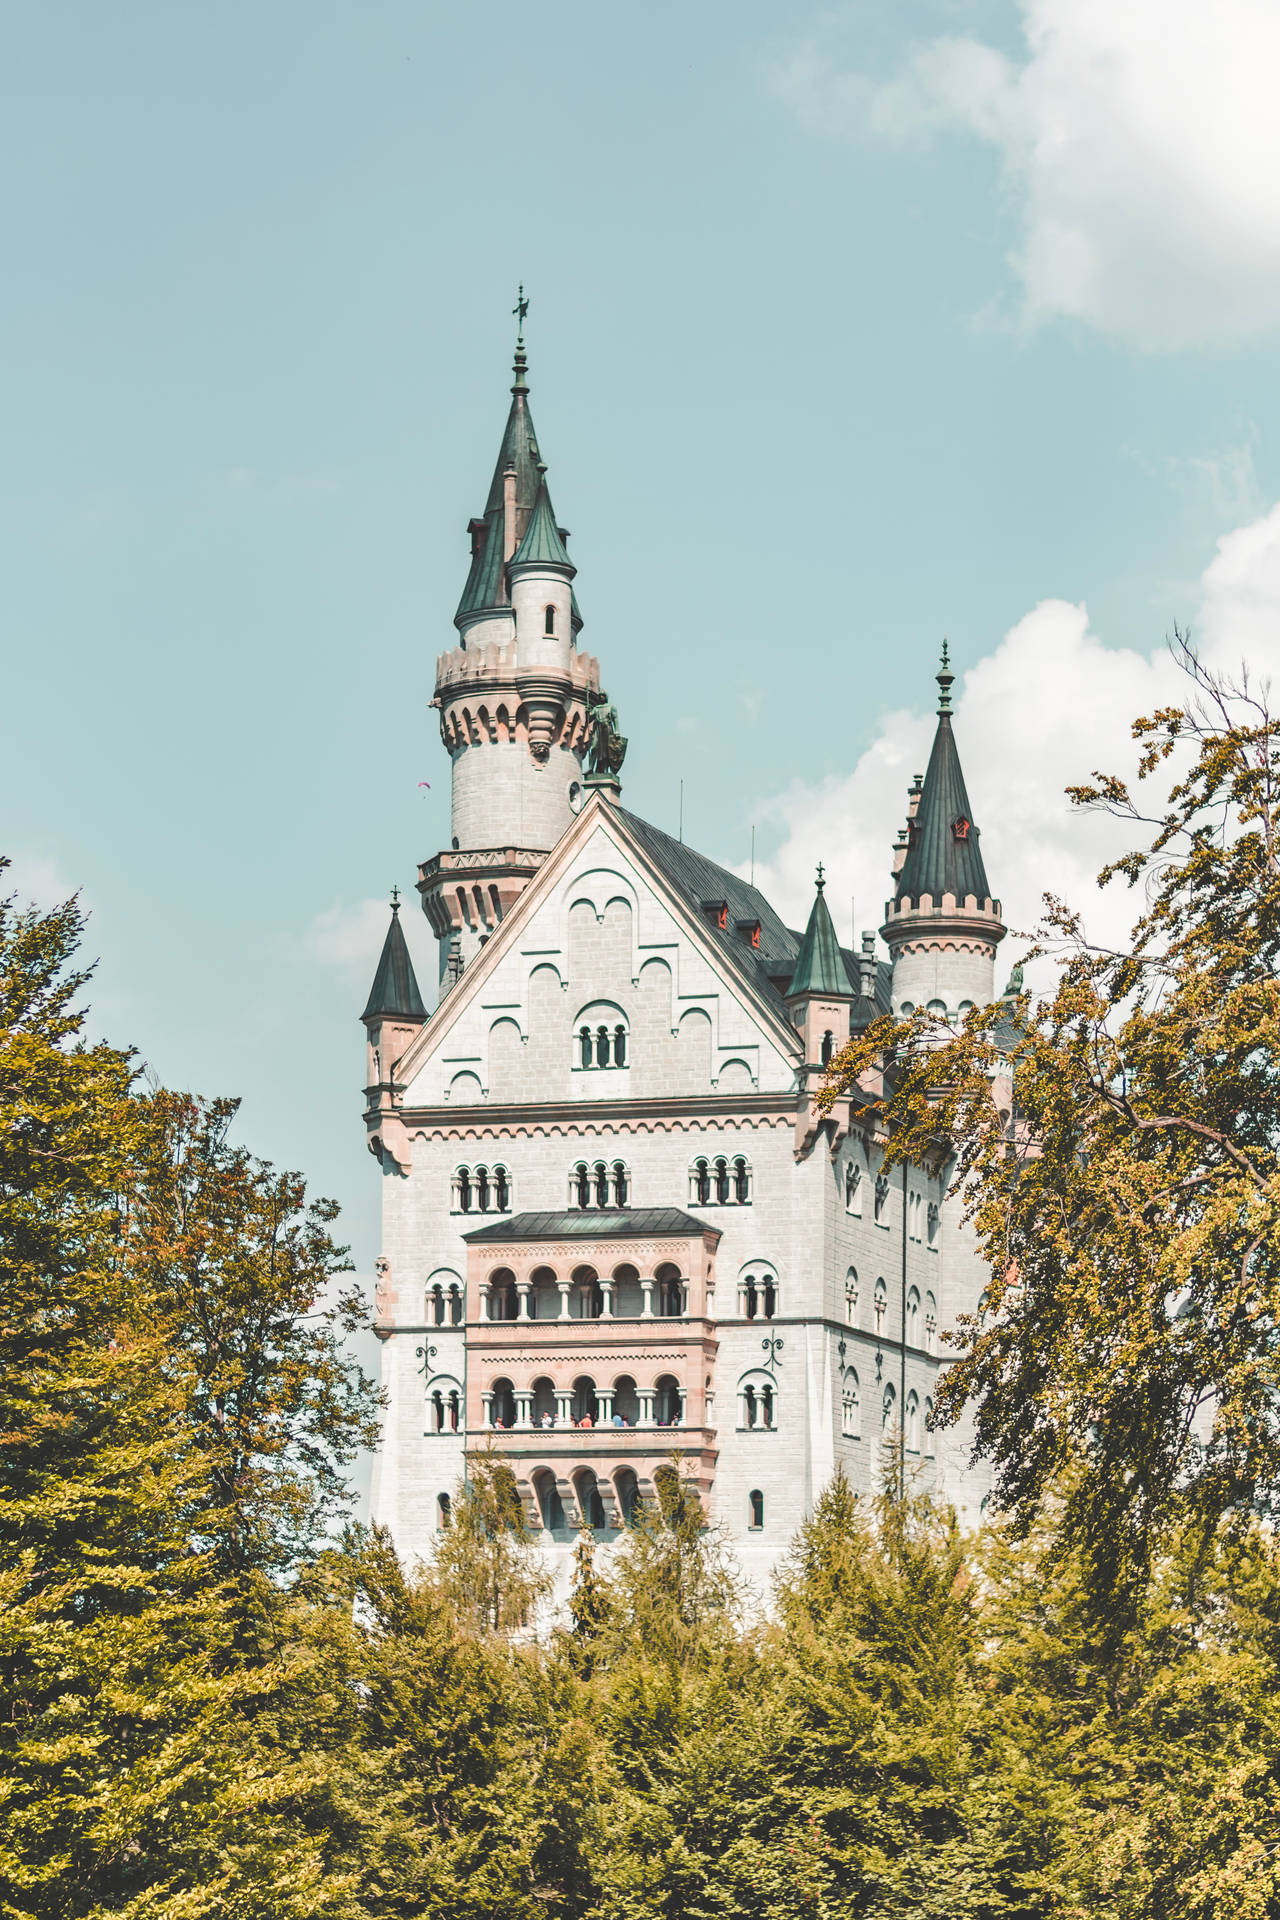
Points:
point(614, 1227)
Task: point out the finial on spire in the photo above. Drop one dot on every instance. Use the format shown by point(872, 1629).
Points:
point(945, 681)
point(520, 309)
point(821, 881)
point(395, 899)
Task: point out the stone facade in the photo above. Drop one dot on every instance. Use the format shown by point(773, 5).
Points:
point(607, 1194)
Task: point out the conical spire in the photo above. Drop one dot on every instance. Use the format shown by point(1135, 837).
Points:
point(518, 455)
point(394, 995)
point(943, 851)
point(543, 543)
point(820, 966)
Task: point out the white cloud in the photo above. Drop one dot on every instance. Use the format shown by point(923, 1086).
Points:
point(1139, 138)
point(1045, 709)
point(349, 937)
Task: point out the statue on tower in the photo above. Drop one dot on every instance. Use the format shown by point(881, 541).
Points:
point(605, 747)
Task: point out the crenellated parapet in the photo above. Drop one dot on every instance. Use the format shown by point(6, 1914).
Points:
point(495, 694)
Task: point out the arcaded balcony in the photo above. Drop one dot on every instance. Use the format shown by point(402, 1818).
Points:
point(596, 1265)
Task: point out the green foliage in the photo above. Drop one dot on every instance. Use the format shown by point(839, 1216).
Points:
point(1126, 1347)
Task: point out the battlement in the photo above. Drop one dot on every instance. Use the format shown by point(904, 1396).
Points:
point(466, 670)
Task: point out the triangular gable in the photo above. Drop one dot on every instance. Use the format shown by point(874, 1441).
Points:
point(597, 813)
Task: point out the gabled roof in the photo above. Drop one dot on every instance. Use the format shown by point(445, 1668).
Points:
point(586, 1223)
point(394, 994)
point(820, 965)
point(943, 850)
point(543, 544)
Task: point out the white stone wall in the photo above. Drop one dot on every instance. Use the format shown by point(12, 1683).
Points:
point(503, 797)
point(949, 973)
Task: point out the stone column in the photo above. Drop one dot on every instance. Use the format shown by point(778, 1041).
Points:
point(564, 1407)
point(522, 1289)
point(564, 1286)
point(486, 1401)
point(604, 1406)
point(682, 1417)
point(484, 1299)
point(645, 1396)
point(646, 1299)
point(606, 1299)
point(684, 1299)
point(524, 1408)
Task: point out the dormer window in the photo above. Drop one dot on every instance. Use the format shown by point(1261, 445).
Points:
point(549, 620)
point(960, 828)
point(749, 930)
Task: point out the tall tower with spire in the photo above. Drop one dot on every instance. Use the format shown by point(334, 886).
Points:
point(942, 926)
point(515, 697)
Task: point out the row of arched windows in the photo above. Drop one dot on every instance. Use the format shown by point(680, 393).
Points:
point(583, 1404)
point(602, 1046)
point(586, 1490)
point(922, 1314)
point(720, 1182)
point(480, 1190)
point(600, 1183)
point(851, 1414)
point(586, 1294)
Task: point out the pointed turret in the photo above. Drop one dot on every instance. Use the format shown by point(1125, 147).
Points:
point(942, 925)
point(515, 697)
point(821, 992)
point(394, 994)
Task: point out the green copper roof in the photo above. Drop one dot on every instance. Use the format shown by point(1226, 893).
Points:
point(394, 994)
point(820, 966)
point(543, 545)
point(943, 849)
point(486, 582)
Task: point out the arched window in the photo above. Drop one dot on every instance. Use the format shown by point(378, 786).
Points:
point(667, 1410)
point(886, 1410)
point(481, 1190)
point(444, 1511)
point(621, 1184)
point(580, 1184)
point(586, 1408)
point(934, 1221)
point(590, 1297)
point(549, 620)
point(850, 1406)
point(930, 1324)
point(722, 1182)
point(543, 1409)
point(503, 1403)
point(601, 1173)
point(503, 1302)
point(851, 1296)
point(882, 1195)
point(826, 1047)
point(602, 1036)
point(913, 1423)
point(758, 1295)
point(912, 1335)
point(757, 1401)
point(626, 1401)
point(755, 1502)
point(881, 1306)
point(853, 1188)
point(590, 1505)
point(670, 1291)
point(751, 1300)
point(928, 1427)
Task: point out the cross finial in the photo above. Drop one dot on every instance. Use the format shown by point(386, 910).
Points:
point(821, 881)
point(395, 899)
point(520, 309)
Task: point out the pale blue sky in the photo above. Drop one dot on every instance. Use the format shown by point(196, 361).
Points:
point(260, 261)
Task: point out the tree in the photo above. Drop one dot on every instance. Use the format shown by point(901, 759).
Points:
point(240, 1266)
point(674, 1590)
point(1126, 1347)
point(487, 1566)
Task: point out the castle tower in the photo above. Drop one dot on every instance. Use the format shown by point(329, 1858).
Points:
point(942, 926)
point(514, 696)
point(821, 993)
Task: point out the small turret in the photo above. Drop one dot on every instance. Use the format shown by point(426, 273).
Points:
point(942, 926)
point(821, 992)
point(394, 1010)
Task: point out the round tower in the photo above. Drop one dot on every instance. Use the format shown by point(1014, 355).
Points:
point(942, 926)
point(514, 698)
